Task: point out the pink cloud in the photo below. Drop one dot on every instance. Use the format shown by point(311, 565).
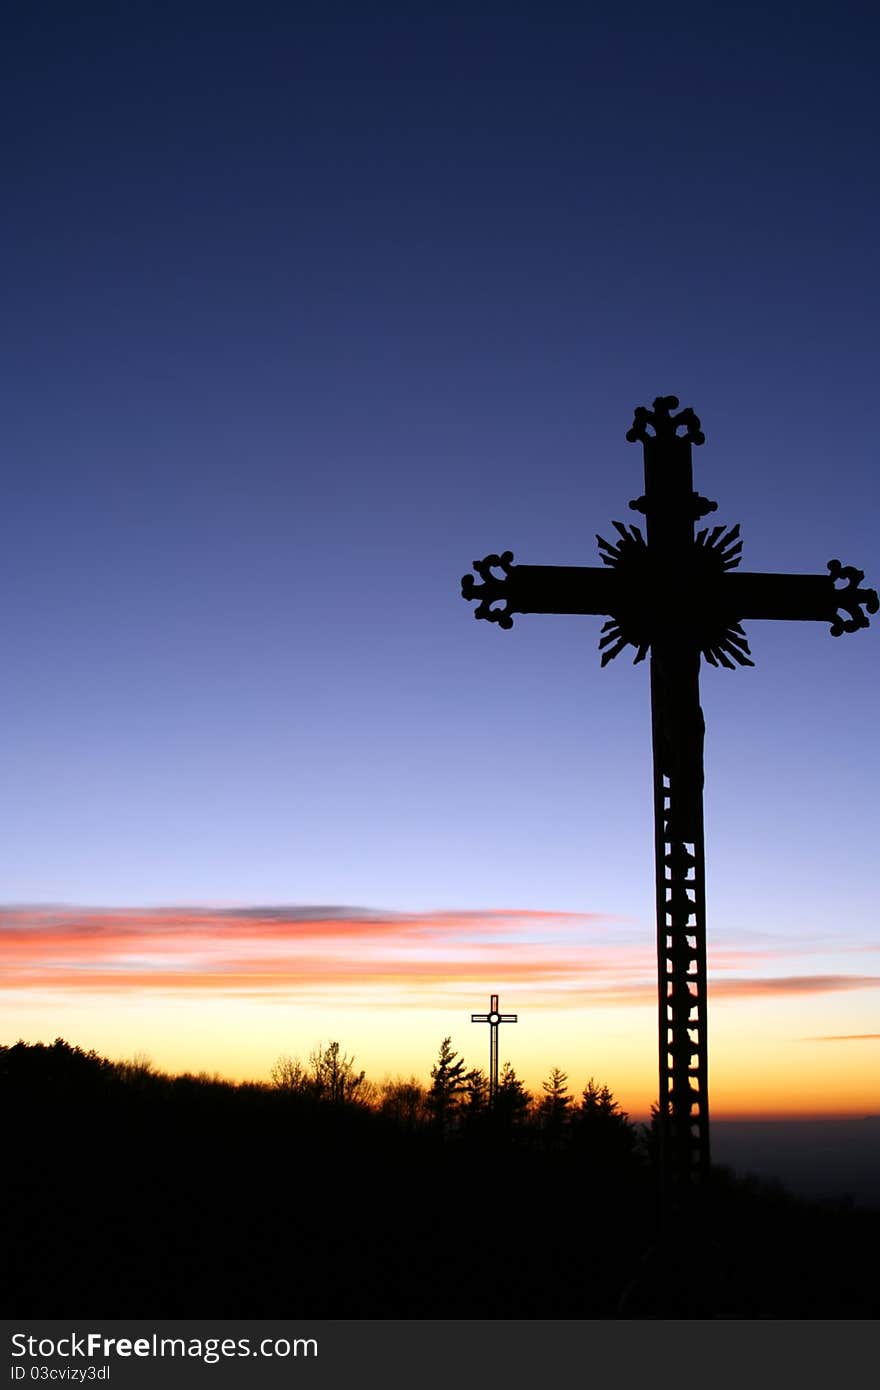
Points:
point(795, 984)
point(282, 949)
point(273, 952)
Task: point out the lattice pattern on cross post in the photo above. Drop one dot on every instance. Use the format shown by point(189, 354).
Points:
point(672, 593)
point(493, 1018)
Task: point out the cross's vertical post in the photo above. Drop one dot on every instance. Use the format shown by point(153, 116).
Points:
point(671, 507)
point(493, 1018)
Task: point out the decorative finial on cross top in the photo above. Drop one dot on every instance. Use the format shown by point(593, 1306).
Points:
point(678, 596)
point(663, 424)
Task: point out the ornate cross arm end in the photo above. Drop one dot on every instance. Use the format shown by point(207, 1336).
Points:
point(492, 589)
point(851, 599)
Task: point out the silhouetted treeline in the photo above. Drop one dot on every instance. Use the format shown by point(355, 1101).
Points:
point(129, 1193)
point(456, 1106)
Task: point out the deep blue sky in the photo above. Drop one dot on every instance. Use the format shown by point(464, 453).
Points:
point(304, 314)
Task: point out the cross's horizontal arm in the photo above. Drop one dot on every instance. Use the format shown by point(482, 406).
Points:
point(537, 589)
point(725, 597)
point(805, 597)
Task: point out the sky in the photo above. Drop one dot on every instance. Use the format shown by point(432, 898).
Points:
point(308, 307)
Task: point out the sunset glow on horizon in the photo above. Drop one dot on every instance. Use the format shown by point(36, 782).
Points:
point(228, 990)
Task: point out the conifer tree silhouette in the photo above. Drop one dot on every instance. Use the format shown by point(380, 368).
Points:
point(447, 1084)
point(553, 1108)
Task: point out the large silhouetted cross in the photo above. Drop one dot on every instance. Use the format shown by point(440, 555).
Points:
point(673, 593)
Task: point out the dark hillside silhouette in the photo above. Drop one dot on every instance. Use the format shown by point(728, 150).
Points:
point(130, 1193)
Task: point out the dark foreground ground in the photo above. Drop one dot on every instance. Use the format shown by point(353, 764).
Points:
point(193, 1201)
